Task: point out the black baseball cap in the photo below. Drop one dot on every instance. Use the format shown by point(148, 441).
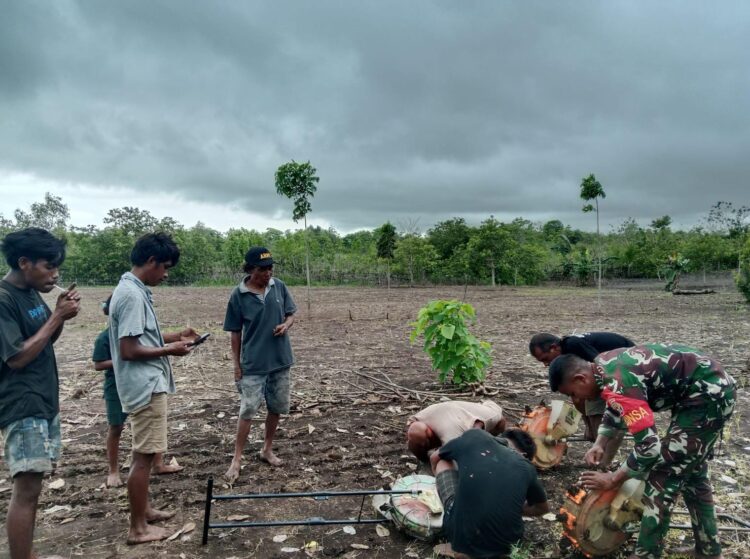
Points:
point(259, 256)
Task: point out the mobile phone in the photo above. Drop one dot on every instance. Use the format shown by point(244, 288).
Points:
point(202, 338)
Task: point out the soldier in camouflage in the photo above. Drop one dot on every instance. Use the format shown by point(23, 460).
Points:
point(635, 382)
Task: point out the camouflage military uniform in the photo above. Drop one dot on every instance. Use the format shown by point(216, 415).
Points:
point(639, 380)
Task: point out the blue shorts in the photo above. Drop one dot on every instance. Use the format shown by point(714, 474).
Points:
point(32, 444)
point(273, 388)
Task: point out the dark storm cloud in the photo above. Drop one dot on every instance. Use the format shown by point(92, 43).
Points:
point(408, 109)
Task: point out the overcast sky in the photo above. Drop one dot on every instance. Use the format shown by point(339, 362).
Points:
point(409, 110)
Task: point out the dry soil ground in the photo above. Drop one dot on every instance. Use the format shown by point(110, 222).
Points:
point(345, 431)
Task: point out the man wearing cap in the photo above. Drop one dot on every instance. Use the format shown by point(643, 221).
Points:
point(259, 314)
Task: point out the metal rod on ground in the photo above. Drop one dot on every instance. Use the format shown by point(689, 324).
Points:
point(207, 512)
point(314, 521)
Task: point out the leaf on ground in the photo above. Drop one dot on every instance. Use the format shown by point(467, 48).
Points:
point(310, 429)
point(550, 516)
point(382, 531)
point(360, 546)
point(237, 517)
point(340, 430)
point(57, 484)
point(289, 549)
point(278, 538)
point(349, 530)
point(67, 520)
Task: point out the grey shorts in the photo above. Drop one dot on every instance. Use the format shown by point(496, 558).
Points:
point(272, 388)
point(32, 444)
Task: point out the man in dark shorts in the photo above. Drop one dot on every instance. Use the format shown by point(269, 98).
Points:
point(636, 382)
point(486, 485)
point(29, 385)
point(102, 358)
point(545, 347)
point(259, 314)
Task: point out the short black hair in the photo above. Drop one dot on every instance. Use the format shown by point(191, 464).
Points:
point(543, 341)
point(159, 245)
point(35, 244)
point(522, 441)
point(562, 367)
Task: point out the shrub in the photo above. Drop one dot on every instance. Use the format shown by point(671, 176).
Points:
point(448, 342)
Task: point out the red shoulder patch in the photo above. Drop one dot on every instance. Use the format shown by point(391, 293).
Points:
point(636, 413)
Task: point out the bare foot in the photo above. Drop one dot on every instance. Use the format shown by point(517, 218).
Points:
point(150, 534)
point(233, 473)
point(113, 480)
point(269, 457)
point(154, 515)
point(167, 469)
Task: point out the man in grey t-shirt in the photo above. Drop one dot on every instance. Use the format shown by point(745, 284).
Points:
point(259, 315)
point(144, 376)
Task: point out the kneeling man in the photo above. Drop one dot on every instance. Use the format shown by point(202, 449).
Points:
point(486, 484)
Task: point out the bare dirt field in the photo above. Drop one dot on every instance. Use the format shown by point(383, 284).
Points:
point(346, 430)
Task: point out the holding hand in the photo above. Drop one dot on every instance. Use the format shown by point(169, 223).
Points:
point(189, 335)
point(179, 348)
point(68, 304)
point(598, 480)
point(281, 329)
point(594, 455)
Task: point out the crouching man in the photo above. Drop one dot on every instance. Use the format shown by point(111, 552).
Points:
point(439, 423)
point(486, 485)
point(635, 383)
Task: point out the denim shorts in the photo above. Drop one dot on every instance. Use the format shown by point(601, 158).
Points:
point(32, 444)
point(273, 388)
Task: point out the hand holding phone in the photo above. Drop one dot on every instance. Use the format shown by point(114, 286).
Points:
point(200, 339)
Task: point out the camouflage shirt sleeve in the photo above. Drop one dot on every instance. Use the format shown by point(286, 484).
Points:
point(624, 390)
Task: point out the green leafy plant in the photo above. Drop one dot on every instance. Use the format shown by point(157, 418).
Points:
point(448, 342)
point(676, 264)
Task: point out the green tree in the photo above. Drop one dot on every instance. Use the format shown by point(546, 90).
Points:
point(385, 243)
point(131, 221)
point(414, 257)
point(52, 215)
point(298, 182)
point(449, 236)
point(489, 245)
point(591, 189)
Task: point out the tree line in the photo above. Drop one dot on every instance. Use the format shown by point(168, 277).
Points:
point(518, 252)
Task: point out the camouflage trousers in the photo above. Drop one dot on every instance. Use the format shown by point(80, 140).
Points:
point(695, 427)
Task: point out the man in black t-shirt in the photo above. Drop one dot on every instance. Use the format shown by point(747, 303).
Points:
point(486, 485)
point(545, 347)
point(29, 399)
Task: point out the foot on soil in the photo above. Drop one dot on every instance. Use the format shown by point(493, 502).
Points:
point(154, 515)
point(445, 550)
point(150, 534)
point(269, 457)
point(167, 469)
point(113, 480)
point(233, 473)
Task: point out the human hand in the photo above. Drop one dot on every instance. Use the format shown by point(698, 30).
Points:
point(598, 480)
point(189, 335)
point(179, 348)
point(68, 304)
point(281, 329)
point(237, 374)
point(594, 455)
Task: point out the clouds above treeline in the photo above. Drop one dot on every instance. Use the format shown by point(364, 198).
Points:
point(408, 109)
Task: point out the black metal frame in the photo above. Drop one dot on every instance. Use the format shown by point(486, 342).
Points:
point(315, 521)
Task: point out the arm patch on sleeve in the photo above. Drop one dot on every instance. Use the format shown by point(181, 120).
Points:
point(636, 413)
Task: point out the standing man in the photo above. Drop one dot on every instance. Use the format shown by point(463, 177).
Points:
point(29, 385)
point(259, 315)
point(635, 383)
point(545, 347)
point(143, 373)
point(486, 485)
